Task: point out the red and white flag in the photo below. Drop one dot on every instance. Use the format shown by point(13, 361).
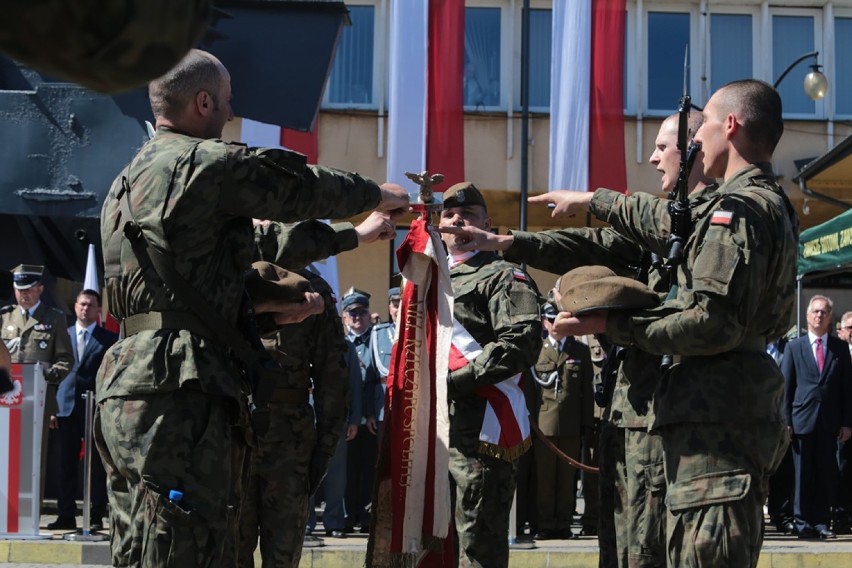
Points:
point(411, 507)
point(425, 111)
point(586, 96)
point(505, 432)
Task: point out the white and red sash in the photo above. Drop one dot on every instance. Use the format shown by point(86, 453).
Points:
point(505, 432)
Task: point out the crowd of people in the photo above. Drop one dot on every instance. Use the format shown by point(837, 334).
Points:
point(235, 388)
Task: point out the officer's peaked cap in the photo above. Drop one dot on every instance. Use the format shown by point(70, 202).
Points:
point(25, 276)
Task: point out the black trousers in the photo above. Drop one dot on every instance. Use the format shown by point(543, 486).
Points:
point(817, 477)
point(71, 432)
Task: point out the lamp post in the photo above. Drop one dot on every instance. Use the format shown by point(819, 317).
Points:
point(815, 84)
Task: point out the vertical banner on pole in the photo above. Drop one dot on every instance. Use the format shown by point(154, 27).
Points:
point(21, 415)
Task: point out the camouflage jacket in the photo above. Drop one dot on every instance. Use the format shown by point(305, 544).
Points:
point(561, 250)
point(735, 292)
point(43, 337)
point(296, 245)
point(195, 199)
point(312, 352)
point(497, 304)
point(313, 355)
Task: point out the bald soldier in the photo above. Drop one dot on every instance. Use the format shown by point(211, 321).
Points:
point(632, 487)
point(171, 398)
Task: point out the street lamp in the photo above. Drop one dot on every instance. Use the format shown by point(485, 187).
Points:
point(815, 84)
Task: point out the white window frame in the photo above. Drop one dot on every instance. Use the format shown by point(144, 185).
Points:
point(380, 55)
point(828, 59)
point(515, 50)
point(705, 63)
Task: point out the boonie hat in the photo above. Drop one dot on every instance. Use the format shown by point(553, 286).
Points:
point(464, 193)
point(25, 276)
point(591, 288)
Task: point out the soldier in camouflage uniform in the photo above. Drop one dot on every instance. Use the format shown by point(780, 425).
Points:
point(718, 408)
point(106, 46)
point(631, 530)
point(170, 423)
point(497, 303)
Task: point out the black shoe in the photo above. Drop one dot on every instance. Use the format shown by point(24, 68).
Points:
point(589, 530)
point(348, 529)
point(96, 525)
point(826, 534)
point(808, 534)
point(545, 535)
point(565, 534)
point(63, 524)
point(335, 533)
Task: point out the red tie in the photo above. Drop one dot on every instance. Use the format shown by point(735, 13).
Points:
point(820, 354)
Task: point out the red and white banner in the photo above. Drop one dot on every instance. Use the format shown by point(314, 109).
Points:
point(425, 112)
point(411, 507)
point(21, 415)
point(505, 432)
point(587, 96)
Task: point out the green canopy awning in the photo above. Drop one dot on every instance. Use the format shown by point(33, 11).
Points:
point(826, 247)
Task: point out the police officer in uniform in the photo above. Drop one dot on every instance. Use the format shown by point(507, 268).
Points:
point(498, 305)
point(381, 340)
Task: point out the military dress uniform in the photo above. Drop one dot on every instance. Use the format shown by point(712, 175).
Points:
point(563, 378)
point(718, 408)
point(41, 337)
point(171, 418)
point(498, 305)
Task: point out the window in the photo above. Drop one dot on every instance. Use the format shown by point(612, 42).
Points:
point(351, 83)
point(668, 38)
point(540, 56)
point(841, 77)
point(792, 36)
point(730, 49)
point(481, 82)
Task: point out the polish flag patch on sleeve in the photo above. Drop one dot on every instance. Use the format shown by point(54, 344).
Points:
point(722, 217)
point(519, 275)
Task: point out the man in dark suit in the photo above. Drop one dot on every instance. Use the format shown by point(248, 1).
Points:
point(89, 342)
point(817, 369)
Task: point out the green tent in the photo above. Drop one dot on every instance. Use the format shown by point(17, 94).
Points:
point(827, 247)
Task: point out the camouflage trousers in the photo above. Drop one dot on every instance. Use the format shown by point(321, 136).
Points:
point(483, 488)
point(717, 476)
point(632, 490)
point(275, 503)
point(182, 440)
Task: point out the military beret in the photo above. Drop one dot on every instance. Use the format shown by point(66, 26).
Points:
point(393, 293)
point(355, 297)
point(25, 276)
point(464, 193)
point(266, 281)
point(592, 288)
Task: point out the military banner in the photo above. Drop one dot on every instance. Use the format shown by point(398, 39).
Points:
point(412, 503)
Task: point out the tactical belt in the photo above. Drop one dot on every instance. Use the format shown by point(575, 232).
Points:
point(289, 396)
point(155, 321)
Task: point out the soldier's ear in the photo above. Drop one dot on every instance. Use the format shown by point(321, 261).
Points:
point(203, 103)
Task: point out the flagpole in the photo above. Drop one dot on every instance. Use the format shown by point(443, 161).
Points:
point(525, 111)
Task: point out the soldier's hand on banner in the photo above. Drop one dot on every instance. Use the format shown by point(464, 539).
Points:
point(566, 324)
point(472, 238)
point(378, 226)
point(394, 199)
point(565, 203)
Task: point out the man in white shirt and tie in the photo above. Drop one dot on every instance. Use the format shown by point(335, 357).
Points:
point(818, 405)
point(90, 342)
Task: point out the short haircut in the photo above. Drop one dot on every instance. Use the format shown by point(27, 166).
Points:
point(693, 122)
point(90, 292)
point(846, 316)
point(198, 71)
point(757, 106)
point(825, 299)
